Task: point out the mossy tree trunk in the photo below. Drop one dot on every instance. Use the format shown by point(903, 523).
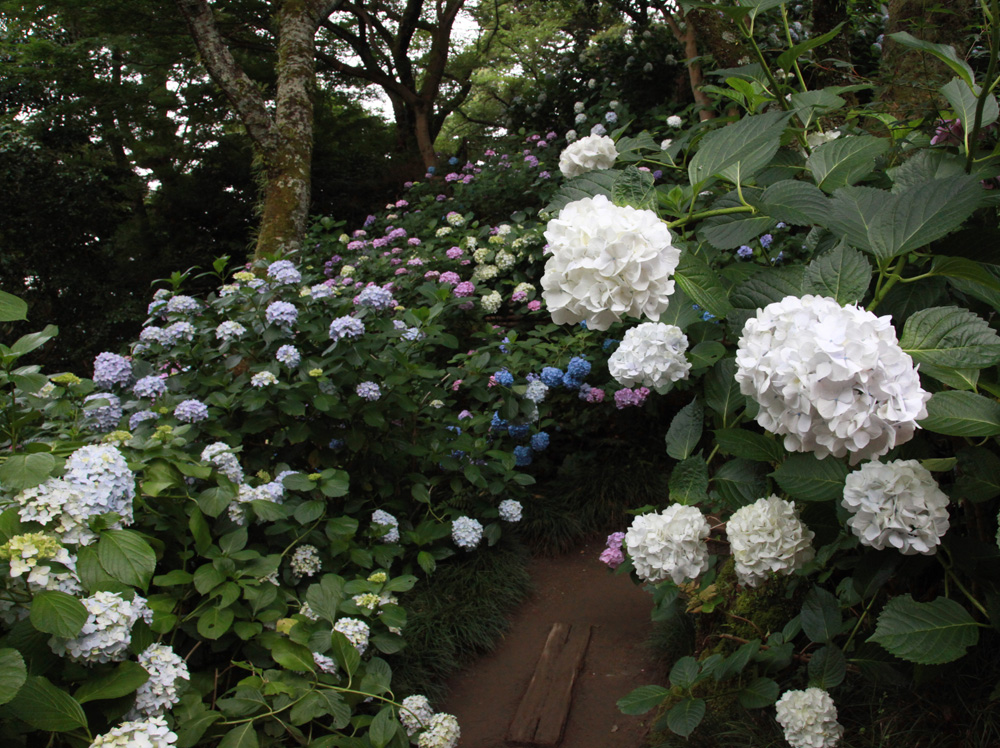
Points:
point(283, 140)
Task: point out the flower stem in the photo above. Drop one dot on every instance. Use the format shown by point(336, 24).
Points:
point(709, 213)
point(882, 289)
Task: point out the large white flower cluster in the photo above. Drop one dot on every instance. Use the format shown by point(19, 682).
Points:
point(669, 544)
point(443, 732)
point(416, 713)
point(466, 532)
point(97, 481)
point(107, 633)
point(607, 261)
point(651, 355)
point(768, 536)
point(28, 554)
point(896, 504)
point(158, 694)
point(305, 561)
point(146, 733)
point(220, 456)
point(273, 492)
point(355, 630)
point(587, 154)
point(831, 379)
point(809, 719)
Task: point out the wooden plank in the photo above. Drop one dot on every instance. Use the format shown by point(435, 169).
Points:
point(540, 719)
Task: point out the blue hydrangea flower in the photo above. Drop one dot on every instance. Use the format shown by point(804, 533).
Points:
point(522, 456)
point(141, 416)
point(609, 342)
point(707, 316)
point(283, 271)
point(766, 240)
point(552, 376)
point(571, 383)
point(289, 356)
point(191, 411)
point(102, 418)
point(781, 225)
point(744, 252)
point(504, 348)
point(336, 444)
point(377, 298)
point(183, 305)
point(281, 313)
point(539, 441)
point(151, 387)
point(497, 422)
point(369, 391)
point(504, 378)
point(346, 327)
point(179, 330)
point(578, 368)
point(518, 430)
point(111, 369)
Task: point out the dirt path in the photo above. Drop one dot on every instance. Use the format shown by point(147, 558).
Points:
point(576, 589)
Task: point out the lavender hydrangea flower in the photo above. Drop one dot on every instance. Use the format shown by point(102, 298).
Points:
point(281, 313)
point(111, 369)
point(191, 411)
point(283, 271)
point(229, 330)
point(151, 387)
point(183, 305)
point(385, 520)
point(289, 356)
point(369, 391)
point(346, 327)
point(103, 418)
point(140, 417)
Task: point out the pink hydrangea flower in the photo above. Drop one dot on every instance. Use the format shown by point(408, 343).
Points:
point(465, 288)
point(613, 557)
point(534, 305)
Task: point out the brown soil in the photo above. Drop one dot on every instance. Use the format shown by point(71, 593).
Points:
point(576, 589)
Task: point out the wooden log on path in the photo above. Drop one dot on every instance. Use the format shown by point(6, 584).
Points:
point(540, 719)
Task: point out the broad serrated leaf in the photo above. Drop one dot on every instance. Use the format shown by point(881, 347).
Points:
point(126, 557)
point(738, 660)
point(844, 161)
point(820, 616)
point(45, 707)
point(969, 270)
point(758, 693)
point(701, 284)
point(732, 231)
point(634, 188)
point(978, 475)
point(853, 210)
point(685, 430)
point(964, 102)
point(642, 699)
point(12, 309)
point(806, 478)
point(795, 202)
point(596, 182)
point(383, 727)
point(952, 337)
point(751, 446)
point(958, 413)
point(760, 290)
point(689, 481)
point(685, 716)
point(325, 597)
point(121, 681)
point(917, 216)
point(241, 736)
point(843, 274)
point(924, 166)
point(13, 674)
point(685, 672)
point(747, 145)
point(925, 633)
point(680, 312)
point(58, 613)
point(722, 391)
point(827, 667)
point(292, 656)
point(213, 623)
point(944, 52)
point(19, 472)
point(739, 482)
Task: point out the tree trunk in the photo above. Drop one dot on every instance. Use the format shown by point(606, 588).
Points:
point(911, 79)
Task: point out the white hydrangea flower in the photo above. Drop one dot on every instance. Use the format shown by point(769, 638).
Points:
point(27, 553)
point(571, 136)
point(768, 536)
point(607, 262)
point(305, 561)
point(219, 455)
point(146, 733)
point(273, 492)
point(587, 154)
point(491, 302)
point(669, 544)
point(443, 732)
point(416, 713)
point(159, 694)
point(809, 719)
point(896, 504)
point(536, 391)
point(652, 355)
point(666, 143)
point(674, 120)
point(505, 260)
point(263, 379)
point(229, 330)
point(324, 663)
point(466, 532)
point(578, 107)
point(831, 379)
point(356, 632)
point(815, 139)
point(107, 633)
point(510, 510)
point(383, 519)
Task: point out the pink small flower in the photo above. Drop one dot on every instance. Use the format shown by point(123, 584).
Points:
point(519, 296)
point(613, 557)
point(465, 288)
point(395, 261)
point(454, 387)
point(454, 253)
point(414, 261)
point(595, 395)
point(492, 382)
point(534, 305)
point(616, 539)
point(431, 274)
point(465, 262)
point(402, 271)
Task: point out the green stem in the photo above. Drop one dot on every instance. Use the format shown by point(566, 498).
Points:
point(857, 625)
point(991, 71)
point(883, 289)
point(788, 36)
point(708, 213)
point(958, 583)
point(767, 70)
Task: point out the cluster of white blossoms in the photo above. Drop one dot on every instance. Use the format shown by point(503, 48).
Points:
point(28, 552)
point(651, 355)
point(443, 732)
point(510, 510)
point(97, 481)
point(229, 330)
point(326, 664)
point(768, 536)
point(607, 261)
point(158, 694)
point(305, 561)
point(587, 154)
point(669, 544)
point(220, 456)
point(273, 492)
point(146, 733)
point(898, 505)
point(383, 519)
point(355, 630)
point(831, 379)
point(107, 633)
point(466, 532)
point(809, 719)
point(416, 713)
point(491, 302)
point(263, 379)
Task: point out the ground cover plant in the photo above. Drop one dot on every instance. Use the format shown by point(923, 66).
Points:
point(211, 539)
